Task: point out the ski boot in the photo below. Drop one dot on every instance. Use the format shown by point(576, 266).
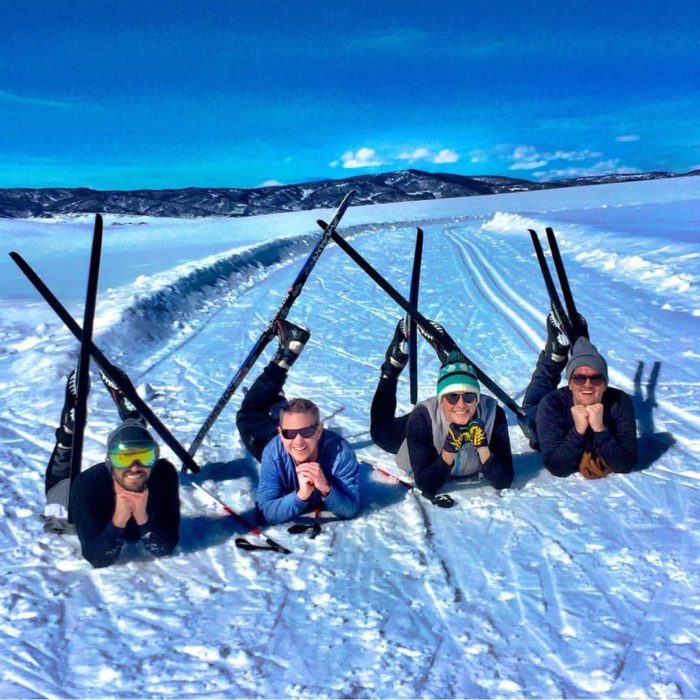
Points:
point(557, 347)
point(125, 408)
point(293, 338)
point(442, 348)
point(396, 355)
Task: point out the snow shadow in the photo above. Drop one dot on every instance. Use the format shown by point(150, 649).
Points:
point(244, 467)
point(201, 532)
point(526, 467)
point(156, 316)
point(651, 445)
point(376, 490)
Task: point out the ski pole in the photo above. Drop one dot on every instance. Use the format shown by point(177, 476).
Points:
point(125, 385)
point(421, 320)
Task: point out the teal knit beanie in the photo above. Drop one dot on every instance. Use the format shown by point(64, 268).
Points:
point(457, 375)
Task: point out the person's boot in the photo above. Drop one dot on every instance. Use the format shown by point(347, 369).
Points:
point(396, 355)
point(442, 347)
point(58, 467)
point(293, 338)
point(64, 434)
point(125, 408)
point(557, 348)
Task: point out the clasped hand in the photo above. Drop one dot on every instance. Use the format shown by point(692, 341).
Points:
point(588, 416)
point(128, 503)
point(457, 435)
point(311, 477)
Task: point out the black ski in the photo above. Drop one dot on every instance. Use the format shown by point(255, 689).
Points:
point(576, 327)
point(82, 372)
point(421, 320)
point(269, 333)
point(118, 377)
point(560, 315)
point(412, 328)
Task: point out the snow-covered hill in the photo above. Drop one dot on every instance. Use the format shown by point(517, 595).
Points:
point(554, 588)
point(397, 186)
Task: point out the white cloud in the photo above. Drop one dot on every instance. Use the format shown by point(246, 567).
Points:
point(528, 164)
point(479, 155)
point(572, 155)
point(417, 154)
point(13, 98)
point(529, 158)
point(627, 138)
point(603, 167)
point(366, 157)
point(271, 183)
point(446, 155)
point(525, 153)
point(362, 158)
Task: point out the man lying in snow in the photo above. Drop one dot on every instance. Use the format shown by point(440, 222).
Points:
point(132, 496)
point(303, 466)
point(586, 426)
point(457, 433)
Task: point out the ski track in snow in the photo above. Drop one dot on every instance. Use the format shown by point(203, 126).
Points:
point(556, 587)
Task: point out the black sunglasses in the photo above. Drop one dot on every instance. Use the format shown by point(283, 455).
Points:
point(291, 433)
point(581, 379)
point(467, 397)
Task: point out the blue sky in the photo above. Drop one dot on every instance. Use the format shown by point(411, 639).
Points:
point(117, 94)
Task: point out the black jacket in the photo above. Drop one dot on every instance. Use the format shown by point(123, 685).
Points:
point(430, 469)
point(92, 505)
point(563, 448)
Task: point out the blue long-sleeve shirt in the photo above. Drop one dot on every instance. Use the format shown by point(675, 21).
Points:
point(277, 499)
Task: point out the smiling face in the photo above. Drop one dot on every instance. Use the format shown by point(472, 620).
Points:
point(461, 413)
point(591, 390)
point(133, 478)
point(301, 449)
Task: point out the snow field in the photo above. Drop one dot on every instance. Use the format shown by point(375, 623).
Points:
point(553, 588)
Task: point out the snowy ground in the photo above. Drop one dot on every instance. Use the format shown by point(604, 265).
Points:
point(555, 588)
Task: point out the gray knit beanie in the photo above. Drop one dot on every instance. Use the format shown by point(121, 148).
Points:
point(585, 354)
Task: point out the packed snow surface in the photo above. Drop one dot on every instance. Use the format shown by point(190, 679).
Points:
point(555, 587)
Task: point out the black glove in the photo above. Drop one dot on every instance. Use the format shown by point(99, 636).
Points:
point(476, 432)
point(456, 436)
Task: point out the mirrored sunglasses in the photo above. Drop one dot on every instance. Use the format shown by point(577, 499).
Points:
point(291, 433)
point(581, 379)
point(454, 396)
point(123, 455)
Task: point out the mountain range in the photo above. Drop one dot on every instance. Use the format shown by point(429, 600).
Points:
point(398, 186)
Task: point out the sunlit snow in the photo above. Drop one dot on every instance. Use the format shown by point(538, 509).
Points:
point(554, 588)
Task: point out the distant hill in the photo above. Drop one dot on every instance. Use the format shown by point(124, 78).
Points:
point(399, 186)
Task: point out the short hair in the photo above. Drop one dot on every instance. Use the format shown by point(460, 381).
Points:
point(301, 406)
